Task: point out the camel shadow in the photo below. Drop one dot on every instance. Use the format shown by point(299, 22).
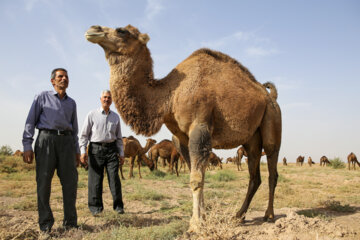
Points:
point(332, 211)
point(258, 221)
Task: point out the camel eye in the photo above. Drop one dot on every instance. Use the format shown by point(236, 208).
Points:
point(122, 31)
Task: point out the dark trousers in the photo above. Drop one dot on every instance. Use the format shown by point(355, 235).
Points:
point(56, 152)
point(101, 157)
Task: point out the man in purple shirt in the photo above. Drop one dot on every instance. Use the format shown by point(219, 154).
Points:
point(56, 147)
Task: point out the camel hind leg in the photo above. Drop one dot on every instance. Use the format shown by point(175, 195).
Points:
point(253, 149)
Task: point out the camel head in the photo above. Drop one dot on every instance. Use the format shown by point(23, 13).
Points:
point(119, 41)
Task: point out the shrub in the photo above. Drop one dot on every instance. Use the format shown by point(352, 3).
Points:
point(6, 150)
point(223, 176)
point(336, 163)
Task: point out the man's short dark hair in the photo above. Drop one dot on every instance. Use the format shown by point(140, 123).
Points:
point(53, 73)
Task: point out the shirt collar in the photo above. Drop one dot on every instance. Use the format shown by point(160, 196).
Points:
point(56, 94)
point(102, 111)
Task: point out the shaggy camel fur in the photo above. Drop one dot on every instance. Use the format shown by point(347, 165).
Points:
point(214, 161)
point(310, 161)
point(207, 101)
point(300, 160)
point(284, 161)
point(132, 149)
point(167, 151)
point(352, 160)
point(18, 153)
point(324, 161)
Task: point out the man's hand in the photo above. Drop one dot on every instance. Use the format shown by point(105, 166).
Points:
point(84, 160)
point(28, 156)
point(121, 160)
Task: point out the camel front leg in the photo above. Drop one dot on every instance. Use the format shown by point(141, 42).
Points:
point(200, 147)
point(131, 174)
point(139, 165)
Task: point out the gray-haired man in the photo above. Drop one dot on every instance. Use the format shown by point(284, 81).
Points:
point(102, 129)
point(56, 147)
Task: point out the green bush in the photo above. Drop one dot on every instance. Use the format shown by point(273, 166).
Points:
point(336, 163)
point(6, 150)
point(223, 176)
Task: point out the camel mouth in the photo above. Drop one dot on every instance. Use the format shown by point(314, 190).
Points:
point(94, 37)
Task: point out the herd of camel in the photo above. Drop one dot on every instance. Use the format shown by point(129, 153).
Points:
point(324, 161)
point(167, 153)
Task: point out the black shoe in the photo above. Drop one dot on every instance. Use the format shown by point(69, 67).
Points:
point(71, 226)
point(96, 213)
point(120, 211)
point(45, 229)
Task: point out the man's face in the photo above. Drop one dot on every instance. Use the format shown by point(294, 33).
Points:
point(106, 100)
point(61, 80)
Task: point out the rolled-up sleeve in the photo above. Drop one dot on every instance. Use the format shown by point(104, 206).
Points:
point(31, 121)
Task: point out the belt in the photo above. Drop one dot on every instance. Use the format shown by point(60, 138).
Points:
point(57, 132)
point(103, 144)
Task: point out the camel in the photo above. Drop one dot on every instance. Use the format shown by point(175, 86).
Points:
point(300, 160)
point(214, 161)
point(310, 161)
point(167, 151)
point(324, 161)
point(18, 153)
point(231, 159)
point(132, 149)
point(207, 101)
point(284, 161)
point(352, 160)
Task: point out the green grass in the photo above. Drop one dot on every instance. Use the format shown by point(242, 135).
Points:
point(221, 176)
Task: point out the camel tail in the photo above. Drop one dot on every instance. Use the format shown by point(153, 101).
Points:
point(273, 90)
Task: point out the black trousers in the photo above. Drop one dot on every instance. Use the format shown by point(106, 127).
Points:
point(101, 157)
point(56, 152)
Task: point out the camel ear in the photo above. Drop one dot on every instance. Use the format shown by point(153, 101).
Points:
point(144, 38)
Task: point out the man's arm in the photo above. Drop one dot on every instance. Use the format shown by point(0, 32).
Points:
point(28, 134)
point(84, 139)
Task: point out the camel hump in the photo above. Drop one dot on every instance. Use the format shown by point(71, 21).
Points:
point(273, 90)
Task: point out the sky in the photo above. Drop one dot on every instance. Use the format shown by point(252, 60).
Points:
point(310, 49)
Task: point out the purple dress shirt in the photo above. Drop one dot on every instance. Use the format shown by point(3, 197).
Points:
point(48, 111)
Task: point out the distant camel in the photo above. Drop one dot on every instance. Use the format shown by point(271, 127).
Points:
point(310, 161)
point(300, 160)
point(132, 149)
point(239, 154)
point(167, 151)
point(284, 161)
point(352, 160)
point(324, 161)
point(214, 161)
point(18, 153)
point(231, 159)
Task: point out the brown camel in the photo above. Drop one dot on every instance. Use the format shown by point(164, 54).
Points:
point(231, 159)
point(284, 161)
point(167, 151)
point(324, 161)
point(310, 161)
point(300, 160)
point(207, 101)
point(18, 153)
point(352, 160)
point(214, 161)
point(132, 149)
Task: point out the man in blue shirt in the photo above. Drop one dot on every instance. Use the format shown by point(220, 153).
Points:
point(56, 147)
point(102, 129)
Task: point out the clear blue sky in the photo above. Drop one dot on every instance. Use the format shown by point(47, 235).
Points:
point(310, 49)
